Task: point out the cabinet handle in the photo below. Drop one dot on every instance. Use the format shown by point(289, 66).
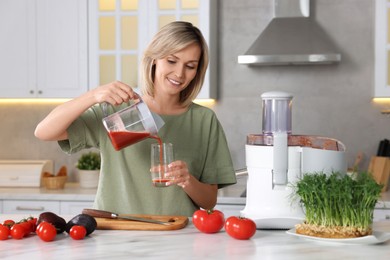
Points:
point(387, 217)
point(31, 91)
point(28, 208)
point(40, 92)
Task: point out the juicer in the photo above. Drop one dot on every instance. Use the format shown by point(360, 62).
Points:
point(277, 159)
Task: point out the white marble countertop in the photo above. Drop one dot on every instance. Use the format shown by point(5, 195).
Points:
point(187, 243)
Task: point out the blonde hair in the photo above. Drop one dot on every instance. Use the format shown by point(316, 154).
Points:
point(171, 39)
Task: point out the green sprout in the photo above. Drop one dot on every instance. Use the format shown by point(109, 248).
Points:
point(338, 199)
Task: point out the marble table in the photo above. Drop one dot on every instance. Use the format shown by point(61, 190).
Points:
point(187, 243)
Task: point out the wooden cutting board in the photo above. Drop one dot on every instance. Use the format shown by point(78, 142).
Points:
point(178, 222)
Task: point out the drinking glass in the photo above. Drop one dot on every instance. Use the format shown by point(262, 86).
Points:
point(161, 157)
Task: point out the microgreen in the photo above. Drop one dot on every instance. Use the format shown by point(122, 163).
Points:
point(338, 199)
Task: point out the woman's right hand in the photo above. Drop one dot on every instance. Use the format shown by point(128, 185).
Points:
point(54, 126)
point(114, 93)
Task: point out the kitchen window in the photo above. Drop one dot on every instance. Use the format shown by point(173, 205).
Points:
point(120, 30)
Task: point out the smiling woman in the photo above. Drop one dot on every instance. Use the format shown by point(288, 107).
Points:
point(174, 67)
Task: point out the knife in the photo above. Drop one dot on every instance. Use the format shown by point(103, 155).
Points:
point(107, 214)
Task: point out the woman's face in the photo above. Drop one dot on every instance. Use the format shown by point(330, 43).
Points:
point(174, 72)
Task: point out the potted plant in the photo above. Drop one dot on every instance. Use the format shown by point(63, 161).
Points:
point(88, 166)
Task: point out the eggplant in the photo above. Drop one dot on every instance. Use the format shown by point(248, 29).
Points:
point(84, 220)
point(58, 222)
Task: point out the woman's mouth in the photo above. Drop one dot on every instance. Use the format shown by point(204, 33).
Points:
point(174, 82)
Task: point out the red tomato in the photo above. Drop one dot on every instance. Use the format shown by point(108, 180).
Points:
point(27, 227)
point(77, 232)
point(240, 228)
point(46, 231)
point(33, 223)
point(9, 223)
point(208, 221)
point(4, 232)
point(17, 231)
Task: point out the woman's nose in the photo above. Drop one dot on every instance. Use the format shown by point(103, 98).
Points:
point(179, 71)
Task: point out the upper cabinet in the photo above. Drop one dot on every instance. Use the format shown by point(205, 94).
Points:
point(382, 48)
point(60, 49)
point(43, 48)
point(120, 30)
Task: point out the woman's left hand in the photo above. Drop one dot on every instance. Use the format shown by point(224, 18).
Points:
point(179, 174)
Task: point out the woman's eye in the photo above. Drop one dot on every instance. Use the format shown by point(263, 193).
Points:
point(171, 61)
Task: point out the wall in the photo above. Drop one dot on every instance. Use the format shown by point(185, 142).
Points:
point(329, 100)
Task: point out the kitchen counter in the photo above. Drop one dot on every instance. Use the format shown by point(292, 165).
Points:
point(187, 243)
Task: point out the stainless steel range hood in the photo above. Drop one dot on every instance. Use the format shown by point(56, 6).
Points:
point(291, 38)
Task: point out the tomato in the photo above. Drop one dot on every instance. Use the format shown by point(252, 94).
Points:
point(208, 221)
point(17, 231)
point(26, 226)
point(78, 232)
point(9, 223)
point(4, 232)
point(46, 231)
point(33, 223)
point(240, 228)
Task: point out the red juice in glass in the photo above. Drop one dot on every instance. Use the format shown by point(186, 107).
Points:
point(162, 156)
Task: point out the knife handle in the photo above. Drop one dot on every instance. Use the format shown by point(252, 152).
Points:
point(99, 213)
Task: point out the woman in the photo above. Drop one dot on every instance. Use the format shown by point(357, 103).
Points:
point(173, 67)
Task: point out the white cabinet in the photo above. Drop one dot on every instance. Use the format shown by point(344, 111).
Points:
point(382, 48)
point(119, 32)
point(230, 209)
point(74, 207)
point(30, 207)
point(43, 48)
point(381, 214)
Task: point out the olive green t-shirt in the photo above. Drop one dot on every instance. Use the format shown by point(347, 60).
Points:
point(125, 184)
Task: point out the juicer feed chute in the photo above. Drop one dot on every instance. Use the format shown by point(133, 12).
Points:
point(276, 159)
point(277, 122)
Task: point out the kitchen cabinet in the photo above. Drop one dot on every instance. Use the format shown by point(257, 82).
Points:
point(382, 48)
point(74, 207)
point(43, 48)
point(119, 32)
point(230, 209)
point(36, 207)
point(381, 214)
point(30, 206)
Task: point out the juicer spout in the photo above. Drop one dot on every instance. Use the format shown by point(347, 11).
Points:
point(280, 154)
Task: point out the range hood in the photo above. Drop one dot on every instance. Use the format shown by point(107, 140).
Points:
point(291, 38)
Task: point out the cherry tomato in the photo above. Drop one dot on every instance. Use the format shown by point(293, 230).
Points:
point(240, 228)
point(9, 223)
point(17, 231)
point(4, 232)
point(78, 232)
point(27, 227)
point(208, 221)
point(33, 223)
point(46, 231)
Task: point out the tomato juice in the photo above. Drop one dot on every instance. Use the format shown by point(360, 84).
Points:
point(121, 139)
point(160, 182)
